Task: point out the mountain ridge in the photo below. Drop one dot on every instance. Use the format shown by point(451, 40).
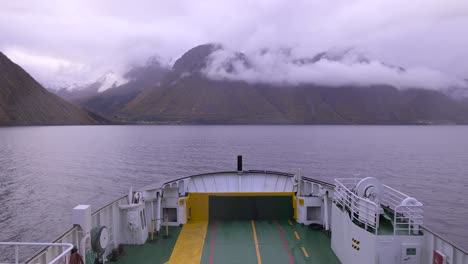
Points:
point(187, 94)
point(23, 101)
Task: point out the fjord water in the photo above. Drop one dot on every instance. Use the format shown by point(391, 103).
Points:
point(46, 171)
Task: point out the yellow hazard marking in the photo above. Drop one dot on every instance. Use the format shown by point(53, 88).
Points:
point(189, 245)
point(259, 259)
point(305, 252)
point(297, 235)
point(290, 223)
point(294, 201)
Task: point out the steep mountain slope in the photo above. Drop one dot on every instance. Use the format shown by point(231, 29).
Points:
point(112, 100)
point(186, 95)
point(23, 101)
point(78, 92)
point(203, 101)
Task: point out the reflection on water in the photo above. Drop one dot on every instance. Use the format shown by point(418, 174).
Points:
point(46, 171)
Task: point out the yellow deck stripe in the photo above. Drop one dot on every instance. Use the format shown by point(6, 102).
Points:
point(305, 252)
point(259, 259)
point(290, 223)
point(297, 235)
point(189, 245)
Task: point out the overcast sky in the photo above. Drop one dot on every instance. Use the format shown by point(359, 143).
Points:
point(77, 41)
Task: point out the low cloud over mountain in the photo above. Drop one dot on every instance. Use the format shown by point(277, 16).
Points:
point(335, 67)
point(56, 43)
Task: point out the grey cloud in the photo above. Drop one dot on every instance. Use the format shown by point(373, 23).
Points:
point(78, 41)
point(338, 68)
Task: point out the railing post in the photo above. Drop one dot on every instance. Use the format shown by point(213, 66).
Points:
point(66, 256)
point(16, 254)
point(377, 220)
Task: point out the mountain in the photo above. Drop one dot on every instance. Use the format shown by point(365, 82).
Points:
point(110, 94)
point(23, 101)
point(75, 93)
point(186, 95)
point(210, 84)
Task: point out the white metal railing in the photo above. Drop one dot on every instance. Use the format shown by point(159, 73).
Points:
point(44, 255)
point(407, 211)
point(66, 248)
point(103, 216)
point(362, 211)
point(434, 241)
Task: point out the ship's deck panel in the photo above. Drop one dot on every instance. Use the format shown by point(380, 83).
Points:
point(157, 251)
point(237, 242)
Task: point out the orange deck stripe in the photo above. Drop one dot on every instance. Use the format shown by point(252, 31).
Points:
point(305, 252)
point(259, 259)
point(297, 235)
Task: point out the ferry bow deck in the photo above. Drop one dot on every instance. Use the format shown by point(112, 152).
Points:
point(235, 241)
point(256, 217)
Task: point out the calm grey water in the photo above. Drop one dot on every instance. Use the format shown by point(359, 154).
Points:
point(46, 171)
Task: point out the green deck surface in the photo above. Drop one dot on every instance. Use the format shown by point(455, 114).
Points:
point(157, 251)
point(233, 242)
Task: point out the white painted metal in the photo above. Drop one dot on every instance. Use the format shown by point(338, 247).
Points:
point(134, 229)
point(81, 215)
point(310, 204)
point(233, 182)
point(344, 233)
point(158, 213)
point(410, 243)
point(326, 215)
point(64, 248)
point(353, 244)
point(433, 242)
point(170, 200)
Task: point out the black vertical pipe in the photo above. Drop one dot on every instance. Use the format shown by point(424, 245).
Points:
point(239, 163)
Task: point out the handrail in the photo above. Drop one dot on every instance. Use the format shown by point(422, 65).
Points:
point(18, 244)
point(361, 210)
point(107, 205)
point(407, 211)
point(451, 243)
point(41, 251)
